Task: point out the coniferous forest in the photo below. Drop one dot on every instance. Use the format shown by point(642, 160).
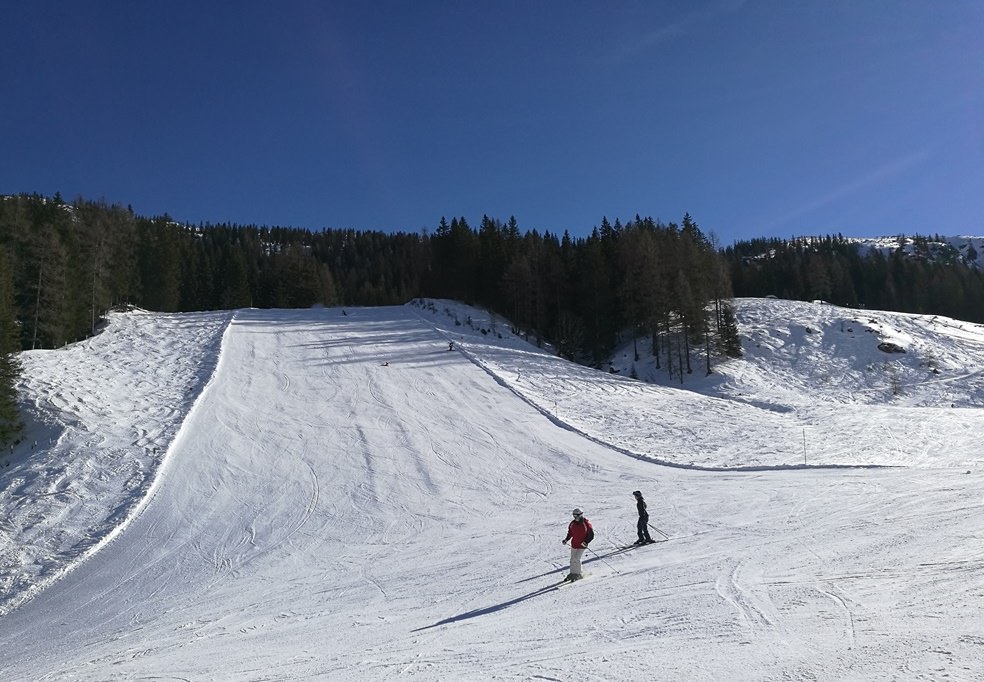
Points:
point(64, 265)
point(928, 277)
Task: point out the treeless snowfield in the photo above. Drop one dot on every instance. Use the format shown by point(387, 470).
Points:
point(329, 495)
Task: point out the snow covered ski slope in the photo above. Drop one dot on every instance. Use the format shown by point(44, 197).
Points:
point(347, 499)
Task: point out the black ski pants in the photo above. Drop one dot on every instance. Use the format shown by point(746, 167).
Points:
point(642, 528)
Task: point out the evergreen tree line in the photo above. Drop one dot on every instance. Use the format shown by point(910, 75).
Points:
point(63, 265)
point(922, 275)
point(665, 283)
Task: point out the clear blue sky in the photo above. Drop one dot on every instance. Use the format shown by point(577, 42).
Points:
point(759, 117)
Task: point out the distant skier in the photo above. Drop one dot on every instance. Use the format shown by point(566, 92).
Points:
point(450, 345)
point(580, 533)
point(642, 526)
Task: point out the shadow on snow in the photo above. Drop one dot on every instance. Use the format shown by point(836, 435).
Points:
point(475, 613)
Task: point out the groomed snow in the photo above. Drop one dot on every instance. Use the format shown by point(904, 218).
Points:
point(334, 495)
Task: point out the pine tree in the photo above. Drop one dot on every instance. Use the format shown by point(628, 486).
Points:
point(159, 259)
point(10, 422)
point(730, 339)
point(49, 289)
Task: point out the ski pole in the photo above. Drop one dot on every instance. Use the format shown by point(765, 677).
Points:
point(605, 560)
point(658, 531)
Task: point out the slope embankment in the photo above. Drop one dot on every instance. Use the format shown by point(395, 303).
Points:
point(102, 416)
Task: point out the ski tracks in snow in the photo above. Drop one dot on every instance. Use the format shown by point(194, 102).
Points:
point(750, 601)
point(831, 590)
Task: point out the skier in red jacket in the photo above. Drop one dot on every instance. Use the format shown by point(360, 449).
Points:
point(580, 533)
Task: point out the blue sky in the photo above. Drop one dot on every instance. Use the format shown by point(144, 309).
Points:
point(758, 117)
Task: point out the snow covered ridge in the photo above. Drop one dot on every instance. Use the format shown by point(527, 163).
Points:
point(965, 249)
point(809, 352)
point(809, 370)
point(968, 250)
point(102, 415)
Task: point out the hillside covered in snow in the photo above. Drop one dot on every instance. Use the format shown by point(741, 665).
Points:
point(345, 494)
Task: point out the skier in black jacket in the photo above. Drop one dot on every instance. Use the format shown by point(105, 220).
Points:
point(642, 527)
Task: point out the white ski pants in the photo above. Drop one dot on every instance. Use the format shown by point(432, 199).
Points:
point(576, 555)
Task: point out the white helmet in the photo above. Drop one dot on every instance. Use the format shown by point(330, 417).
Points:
point(577, 511)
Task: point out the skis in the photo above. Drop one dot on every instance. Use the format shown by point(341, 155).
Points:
point(637, 544)
point(614, 552)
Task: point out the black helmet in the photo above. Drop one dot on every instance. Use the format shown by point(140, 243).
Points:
point(637, 493)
